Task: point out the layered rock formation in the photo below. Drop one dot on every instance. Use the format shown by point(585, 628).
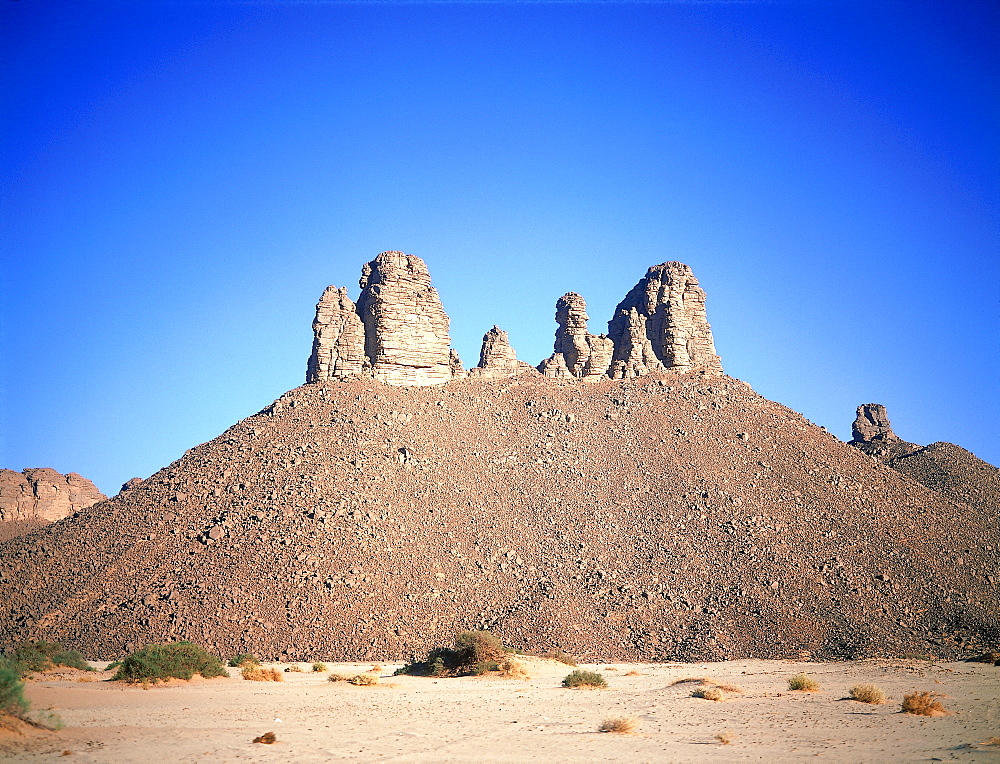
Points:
point(397, 333)
point(577, 352)
point(338, 338)
point(40, 496)
point(872, 424)
point(497, 358)
point(661, 324)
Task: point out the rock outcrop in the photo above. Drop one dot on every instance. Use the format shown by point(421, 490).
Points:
point(497, 358)
point(577, 352)
point(661, 324)
point(397, 333)
point(338, 338)
point(943, 467)
point(872, 424)
point(44, 495)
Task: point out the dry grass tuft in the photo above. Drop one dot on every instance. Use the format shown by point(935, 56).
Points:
point(256, 673)
point(620, 725)
point(803, 683)
point(267, 738)
point(923, 704)
point(378, 668)
point(690, 680)
point(513, 669)
point(319, 668)
point(562, 657)
point(633, 673)
point(991, 741)
point(726, 687)
point(295, 668)
point(709, 693)
point(363, 680)
point(610, 668)
point(868, 693)
point(724, 738)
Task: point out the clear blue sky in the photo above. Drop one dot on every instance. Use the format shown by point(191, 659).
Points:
point(180, 181)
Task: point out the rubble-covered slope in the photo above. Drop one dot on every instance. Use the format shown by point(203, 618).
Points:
point(672, 516)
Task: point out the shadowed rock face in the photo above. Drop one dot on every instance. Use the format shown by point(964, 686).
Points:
point(39, 496)
point(872, 424)
point(661, 324)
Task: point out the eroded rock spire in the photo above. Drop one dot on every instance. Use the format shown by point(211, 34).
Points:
point(577, 352)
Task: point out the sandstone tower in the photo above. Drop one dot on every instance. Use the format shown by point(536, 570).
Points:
point(397, 333)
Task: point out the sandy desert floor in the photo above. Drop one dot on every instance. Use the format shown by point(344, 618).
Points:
point(416, 719)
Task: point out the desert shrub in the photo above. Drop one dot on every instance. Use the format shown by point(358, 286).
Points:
point(338, 677)
point(868, 693)
point(180, 660)
point(689, 680)
point(484, 667)
point(803, 682)
point(239, 661)
point(724, 738)
point(295, 668)
point(622, 725)
point(923, 704)
point(559, 655)
point(709, 693)
point(363, 680)
point(472, 648)
point(40, 655)
point(512, 669)
point(585, 679)
point(12, 700)
point(633, 673)
point(727, 687)
point(254, 672)
point(378, 668)
point(318, 667)
point(268, 738)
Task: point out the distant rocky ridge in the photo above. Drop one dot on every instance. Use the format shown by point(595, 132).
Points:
point(39, 496)
point(942, 467)
point(397, 332)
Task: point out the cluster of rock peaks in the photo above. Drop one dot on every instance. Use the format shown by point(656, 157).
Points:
point(397, 332)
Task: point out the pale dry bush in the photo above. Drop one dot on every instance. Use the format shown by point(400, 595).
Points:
point(257, 673)
point(868, 693)
point(690, 679)
point(295, 668)
point(803, 683)
point(726, 687)
point(378, 668)
point(709, 693)
point(923, 704)
point(512, 669)
point(724, 738)
point(621, 725)
point(633, 673)
point(363, 680)
point(338, 677)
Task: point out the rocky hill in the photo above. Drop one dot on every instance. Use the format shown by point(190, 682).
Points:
point(667, 514)
point(943, 467)
point(38, 496)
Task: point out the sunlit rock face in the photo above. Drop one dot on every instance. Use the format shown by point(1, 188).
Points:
point(661, 324)
point(44, 495)
point(577, 352)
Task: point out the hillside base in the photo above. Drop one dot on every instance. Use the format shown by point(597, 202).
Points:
point(492, 719)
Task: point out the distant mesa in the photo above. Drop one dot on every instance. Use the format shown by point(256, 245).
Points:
point(397, 332)
point(38, 496)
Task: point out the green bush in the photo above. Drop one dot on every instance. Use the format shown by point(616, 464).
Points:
point(12, 700)
point(31, 657)
point(473, 650)
point(319, 667)
point(803, 683)
point(181, 660)
point(239, 661)
point(581, 678)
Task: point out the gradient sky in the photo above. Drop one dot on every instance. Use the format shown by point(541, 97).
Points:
point(180, 181)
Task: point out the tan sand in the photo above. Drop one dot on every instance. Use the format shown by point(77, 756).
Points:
point(415, 719)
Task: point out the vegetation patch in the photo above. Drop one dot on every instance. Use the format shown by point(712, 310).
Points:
point(39, 656)
point(620, 725)
point(239, 661)
point(363, 680)
point(475, 652)
point(584, 680)
point(295, 668)
point(176, 660)
point(319, 668)
point(709, 693)
point(803, 683)
point(923, 704)
point(254, 672)
point(562, 657)
point(868, 693)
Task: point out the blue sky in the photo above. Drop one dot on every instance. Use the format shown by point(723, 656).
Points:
point(181, 180)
